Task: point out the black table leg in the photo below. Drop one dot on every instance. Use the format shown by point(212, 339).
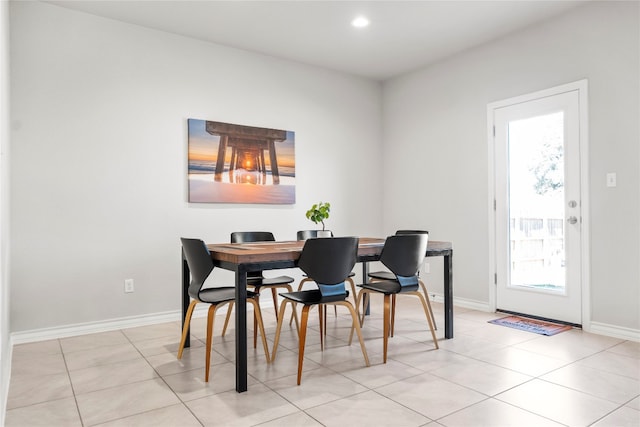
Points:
point(241, 330)
point(186, 277)
point(448, 295)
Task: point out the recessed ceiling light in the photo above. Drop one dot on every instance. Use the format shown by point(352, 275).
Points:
point(360, 22)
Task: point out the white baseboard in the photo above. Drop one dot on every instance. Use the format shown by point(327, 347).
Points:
point(472, 304)
point(106, 325)
point(5, 382)
point(201, 311)
point(614, 331)
point(93, 327)
point(591, 327)
point(463, 303)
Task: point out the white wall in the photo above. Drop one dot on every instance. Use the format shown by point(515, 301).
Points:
point(98, 187)
point(435, 128)
point(99, 143)
point(5, 342)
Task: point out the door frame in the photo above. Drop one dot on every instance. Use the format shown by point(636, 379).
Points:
point(585, 272)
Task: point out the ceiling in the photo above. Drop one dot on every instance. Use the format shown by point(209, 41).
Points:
point(403, 35)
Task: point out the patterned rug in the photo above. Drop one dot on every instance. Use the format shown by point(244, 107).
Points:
point(531, 325)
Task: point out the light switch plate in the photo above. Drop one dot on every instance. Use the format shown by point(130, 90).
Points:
point(611, 179)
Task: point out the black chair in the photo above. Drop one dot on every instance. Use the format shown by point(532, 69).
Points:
point(255, 279)
point(387, 275)
point(201, 265)
point(328, 261)
point(402, 254)
point(312, 234)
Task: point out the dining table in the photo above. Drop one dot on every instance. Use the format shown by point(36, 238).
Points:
point(243, 258)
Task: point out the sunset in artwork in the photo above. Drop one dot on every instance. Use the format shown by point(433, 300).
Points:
point(231, 163)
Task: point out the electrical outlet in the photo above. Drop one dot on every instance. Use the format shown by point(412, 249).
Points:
point(128, 285)
point(426, 268)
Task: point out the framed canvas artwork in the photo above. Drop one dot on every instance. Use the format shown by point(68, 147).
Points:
point(230, 163)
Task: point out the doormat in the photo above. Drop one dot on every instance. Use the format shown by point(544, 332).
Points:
point(531, 325)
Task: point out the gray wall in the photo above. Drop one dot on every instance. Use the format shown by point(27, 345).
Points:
point(99, 145)
point(435, 123)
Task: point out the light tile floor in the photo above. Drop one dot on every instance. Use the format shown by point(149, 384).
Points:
point(487, 375)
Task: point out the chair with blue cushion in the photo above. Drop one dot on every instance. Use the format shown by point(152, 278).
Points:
point(201, 265)
point(402, 255)
point(387, 275)
point(312, 234)
point(328, 262)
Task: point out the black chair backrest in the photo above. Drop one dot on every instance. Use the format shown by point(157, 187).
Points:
point(199, 262)
point(411, 232)
point(252, 236)
point(403, 255)
point(329, 261)
point(310, 234)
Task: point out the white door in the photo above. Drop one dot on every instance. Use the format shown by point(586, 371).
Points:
point(537, 206)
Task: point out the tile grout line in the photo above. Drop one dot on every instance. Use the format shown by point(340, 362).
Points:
point(73, 390)
point(182, 402)
point(598, 348)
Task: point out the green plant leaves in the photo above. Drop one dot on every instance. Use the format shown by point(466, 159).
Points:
point(319, 212)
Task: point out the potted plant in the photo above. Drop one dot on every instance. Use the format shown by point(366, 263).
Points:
point(318, 213)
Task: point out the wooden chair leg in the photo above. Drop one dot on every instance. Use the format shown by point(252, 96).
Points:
point(353, 292)
point(302, 282)
point(353, 289)
point(322, 309)
point(363, 301)
point(274, 295)
point(255, 330)
point(366, 302)
point(426, 313)
point(426, 296)
point(185, 329)
point(355, 324)
point(393, 313)
point(226, 319)
point(209, 342)
point(362, 295)
point(360, 316)
point(279, 327)
point(291, 318)
point(325, 318)
point(303, 338)
point(294, 315)
point(385, 326)
point(258, 316)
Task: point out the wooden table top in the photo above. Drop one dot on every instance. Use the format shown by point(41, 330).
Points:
point(240, 253)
